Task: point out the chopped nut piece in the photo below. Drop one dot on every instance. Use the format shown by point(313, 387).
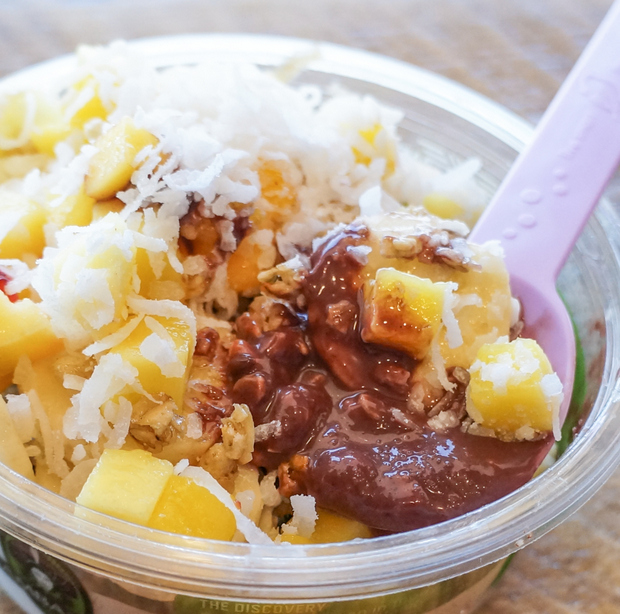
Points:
point(219, 465)
point(206, 342)
point(291, 475)
point(158, 418)
point(340, 315)
point(238, 434)
point(283, 280)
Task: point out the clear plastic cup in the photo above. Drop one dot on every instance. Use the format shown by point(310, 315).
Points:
point(53, 561)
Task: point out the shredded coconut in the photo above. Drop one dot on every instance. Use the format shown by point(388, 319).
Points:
point(114, 339)
point(73, 382)
point(18, 272)
point(164, 309)
point(453, 331)
point(83, 419)
point(194, 426)
point(53, 444)
point(553, 391)
point(439, 365)
point(304, 514)
point(20, 410)
point(181, 466)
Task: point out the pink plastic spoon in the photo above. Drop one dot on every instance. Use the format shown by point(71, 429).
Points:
point(545, 200)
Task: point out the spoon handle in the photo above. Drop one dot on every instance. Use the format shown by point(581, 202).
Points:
point(550, 191)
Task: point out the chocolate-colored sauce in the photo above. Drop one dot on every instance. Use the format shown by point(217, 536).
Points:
point(337, 407)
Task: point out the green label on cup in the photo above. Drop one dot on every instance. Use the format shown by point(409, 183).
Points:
point(52, 586)
point(466, 589)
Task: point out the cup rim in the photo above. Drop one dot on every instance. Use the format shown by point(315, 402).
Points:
point(363, 568)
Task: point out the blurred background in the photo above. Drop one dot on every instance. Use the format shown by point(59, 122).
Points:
point(516, 52)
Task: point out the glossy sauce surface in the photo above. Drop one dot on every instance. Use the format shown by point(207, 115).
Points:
point(337, 421)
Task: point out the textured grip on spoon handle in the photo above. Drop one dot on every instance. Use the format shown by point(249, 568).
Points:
point(555, 183)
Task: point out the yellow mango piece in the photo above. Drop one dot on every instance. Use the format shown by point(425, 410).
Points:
point(75, 210)
point(513, 387)
point(44, 477)
point(12, 451)
point(24, 330)
point(486, 316)
point(17, 165)
point(442, 206)
point(46, 380)
point(402, 311)
point(13, 111)
point(35, 119)
point(204, 237)
point(110, 169)
point(101, 208)
point(46, 137)
point(360, 157)
point(187, 508)
point(279, 198)
point(375, 142)
point(168, 284)
point(50, 127)
point(85, 95)
point(164, 365)
point(243, 267)
point(21, 226)
point(331, 528)
point(275, 188)
point(126, 484)
point(250, 258)
point(119, 271)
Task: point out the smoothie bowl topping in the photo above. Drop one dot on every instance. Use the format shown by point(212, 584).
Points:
point(239, 309)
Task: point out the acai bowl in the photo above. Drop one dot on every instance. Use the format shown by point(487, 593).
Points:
point(445, 566)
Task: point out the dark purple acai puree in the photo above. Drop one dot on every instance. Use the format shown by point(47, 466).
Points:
point(331, 412)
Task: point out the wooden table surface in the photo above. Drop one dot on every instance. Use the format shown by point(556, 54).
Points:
point(514, 51)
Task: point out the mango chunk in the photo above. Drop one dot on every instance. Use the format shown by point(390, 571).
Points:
point(279, 198)
point(513, 390)
point(161, 350)
point(21, 226)
point(442, 206)
point(84, 103)
point(187, 508)
point(24, 329)
point(84, 283)
point(31, 119)
point(126, 484)
point(331, 528)
point(12, 117)
point(12, 451)
point(376, 142)
point(18, 165)
point(75, 210)
point(255, 253)
point(110, 169)
point(166, 284)
point(402, 311)
point(50, 127)
point(44, 376)
point(101, 208)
